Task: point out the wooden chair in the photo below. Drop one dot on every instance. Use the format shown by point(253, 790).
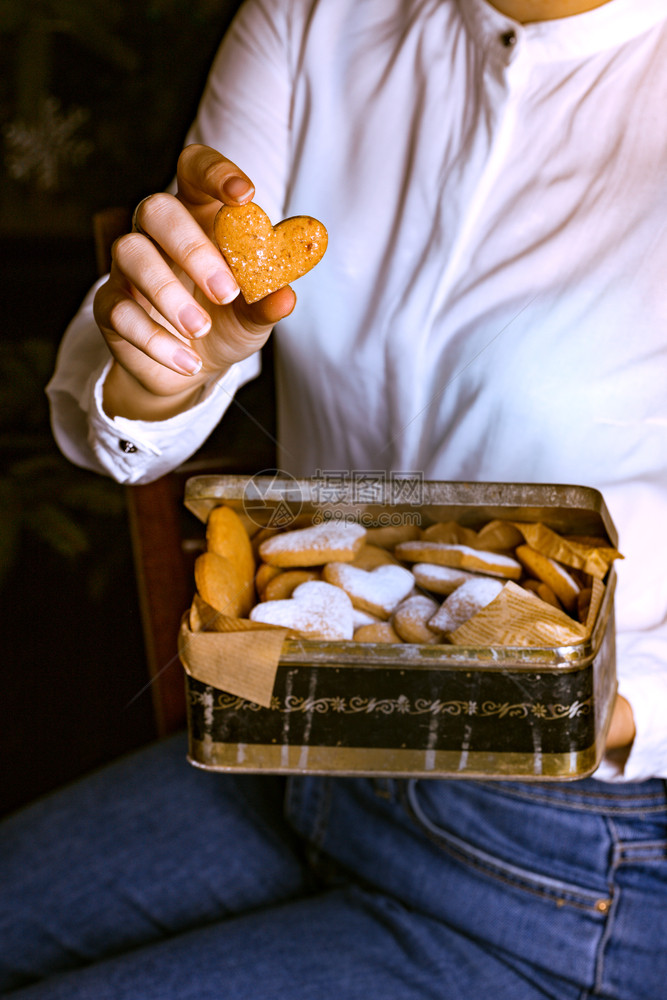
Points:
point(165, 537)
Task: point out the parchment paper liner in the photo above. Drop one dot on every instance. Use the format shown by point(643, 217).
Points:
point(517, 617)
point(234, 654)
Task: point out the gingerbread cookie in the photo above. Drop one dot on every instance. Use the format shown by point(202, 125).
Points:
point(543, 591)
point(331, 541)
point(220, 585)
point(440, 579)
point(227, 536)
point(360, 618)
point(390, 535)
point(262, 257)
point(264, 575)
point(380, 632)
point(377, 591)
point(285, 583)
point(315, 607)
point(370, 556)
point(564, 586)
point(460, 557)
point(411, 620)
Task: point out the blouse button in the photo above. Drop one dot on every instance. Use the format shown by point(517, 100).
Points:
point(127, 447)
point(508, 38)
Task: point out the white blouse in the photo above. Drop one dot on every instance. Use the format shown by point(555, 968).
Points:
point(493, 303)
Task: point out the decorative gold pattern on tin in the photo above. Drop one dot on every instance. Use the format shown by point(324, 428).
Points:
point(402, 705)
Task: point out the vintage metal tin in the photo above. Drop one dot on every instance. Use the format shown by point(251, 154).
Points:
point(421, 711)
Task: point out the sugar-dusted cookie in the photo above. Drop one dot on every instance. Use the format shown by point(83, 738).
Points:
point(286, 582)
point(360, 618)
point(465, 602)
point(331, 541)
point(263, 257)
point(315, 607)
point(564, 586)
point(377, 591)
point(460, 557)
point(440, 579)
point(380, 632)
point(411, 618)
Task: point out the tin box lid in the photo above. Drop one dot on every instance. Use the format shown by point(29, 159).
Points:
point(567, 509)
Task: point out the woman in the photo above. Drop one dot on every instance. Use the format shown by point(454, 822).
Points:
point(492, 301)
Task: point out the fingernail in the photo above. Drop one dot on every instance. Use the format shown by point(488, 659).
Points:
point(194, 321)
point(223, 286)
point(187, 362)
point(237, 188)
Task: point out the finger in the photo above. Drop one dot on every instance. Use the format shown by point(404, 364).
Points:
point(142, 264)
point(267, 311)
point(123, 321)
point(171, 226)
point(204, 176)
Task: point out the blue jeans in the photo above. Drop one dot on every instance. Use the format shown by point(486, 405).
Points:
point(152, 880)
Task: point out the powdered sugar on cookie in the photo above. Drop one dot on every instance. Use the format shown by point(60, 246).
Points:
point(465, 602)
point(440, 579)
point(315, 607)
point(460, 557)
point(377, 591)
point(411, 620)
point(331, 541)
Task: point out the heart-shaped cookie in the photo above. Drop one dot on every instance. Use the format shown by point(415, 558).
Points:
point(411, 617)
point(262, 257)
point(314, 607)
point(377, 591)
point(330, 541)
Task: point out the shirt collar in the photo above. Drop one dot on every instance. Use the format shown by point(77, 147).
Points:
point(578, 36)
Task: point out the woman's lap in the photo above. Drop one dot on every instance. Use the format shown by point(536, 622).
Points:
point(343, 943)
point(142, 850)
point(164, 881)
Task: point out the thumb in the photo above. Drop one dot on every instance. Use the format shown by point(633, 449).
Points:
point(266, 312)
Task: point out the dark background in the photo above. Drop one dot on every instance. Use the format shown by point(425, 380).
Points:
point(95, 99)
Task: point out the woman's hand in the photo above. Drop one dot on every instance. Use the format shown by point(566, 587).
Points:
point(622, 729)
point(170, 310)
